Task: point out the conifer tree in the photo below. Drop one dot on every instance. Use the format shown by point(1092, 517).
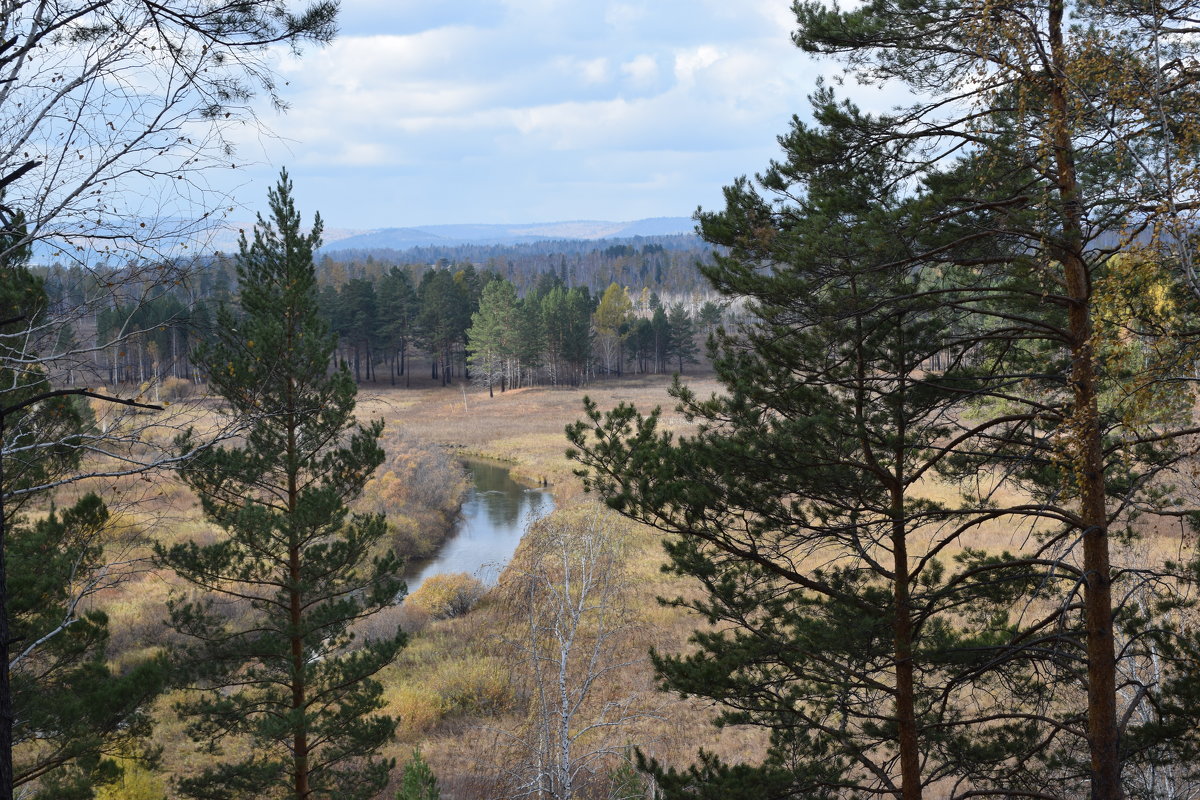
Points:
point(273, 649)
point(397, 316)
point(803, 504)
point(64, 710)
point(566, 319)
point(419, 782)
point(1078, 124)
point(682, 339)
point(75, 712)
point(492, 337)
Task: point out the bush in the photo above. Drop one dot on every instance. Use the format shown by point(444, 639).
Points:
point(446, 596)
point(419, 782)
point(415, 476)
point(418, 708)
point(177, 389)
point(474, 684)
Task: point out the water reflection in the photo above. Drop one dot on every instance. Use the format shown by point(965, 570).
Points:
point(494, 516)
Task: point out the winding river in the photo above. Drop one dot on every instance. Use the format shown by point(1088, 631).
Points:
point(494, 516)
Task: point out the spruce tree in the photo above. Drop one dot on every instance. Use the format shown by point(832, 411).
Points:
point(273, 649)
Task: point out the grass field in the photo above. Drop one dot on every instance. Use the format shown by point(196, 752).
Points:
point(455, 688)
point(458, 690)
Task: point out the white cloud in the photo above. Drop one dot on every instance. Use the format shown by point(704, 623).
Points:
point(595, 70)
point(624, 15)
point(603, 109)
point(689, 62)
point(642, 70)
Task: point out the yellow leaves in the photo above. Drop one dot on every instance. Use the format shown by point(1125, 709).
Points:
point(443, 596)
point(1135, 286)
point(1138, 319)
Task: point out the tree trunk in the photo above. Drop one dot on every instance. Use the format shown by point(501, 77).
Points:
point(906, 716)
point(300, 733)
point(6, 704)
point(1087, 458)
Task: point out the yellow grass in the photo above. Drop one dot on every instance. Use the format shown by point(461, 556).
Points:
point(451, 689)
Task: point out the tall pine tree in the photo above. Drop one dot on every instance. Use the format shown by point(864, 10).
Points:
point(272, 645)
point(1076, 123)
point(885, 410)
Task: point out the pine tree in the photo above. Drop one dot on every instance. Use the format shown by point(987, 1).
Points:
point(1077, 125)
point(419, 782)
point(397, 317)
point(273, 647)
point(682, 338)
point(443, 319)
point(803, 503)
point(566, 318)
point(492, 337)
point(68, 710)
point(75, 712)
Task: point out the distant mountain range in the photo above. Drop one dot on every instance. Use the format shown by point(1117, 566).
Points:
point(224, 238)
point(451, 235)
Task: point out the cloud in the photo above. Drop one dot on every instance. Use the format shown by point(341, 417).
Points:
point(690, 62)
point(642, 70)
point(504, 110)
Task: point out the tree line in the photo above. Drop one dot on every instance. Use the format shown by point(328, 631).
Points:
point(473, 324)
point(144, 329)
point(667, 264)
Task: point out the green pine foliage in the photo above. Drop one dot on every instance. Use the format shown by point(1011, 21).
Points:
point(76, 714)
point(397, 318)
point(803, 504)
point(492, 340)
point(445, 315)
point(681, 340)
point(419, 782)
point(72, 712)
point(566, 324)
point(282, 677)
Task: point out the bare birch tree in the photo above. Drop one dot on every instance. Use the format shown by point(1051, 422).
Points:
point(569, 640)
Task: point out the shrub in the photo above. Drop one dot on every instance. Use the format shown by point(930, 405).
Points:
point(446, 596)
point(177, 389)
point(416, 476)
point(417, 707)
point(419, 782)
point(474, 684)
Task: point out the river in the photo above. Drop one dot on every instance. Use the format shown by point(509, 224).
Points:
point(494, 516)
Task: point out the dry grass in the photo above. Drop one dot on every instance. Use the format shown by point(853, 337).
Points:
point(523, 427)
point(451, 688)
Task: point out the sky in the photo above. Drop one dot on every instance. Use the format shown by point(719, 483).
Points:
point(510, 111)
